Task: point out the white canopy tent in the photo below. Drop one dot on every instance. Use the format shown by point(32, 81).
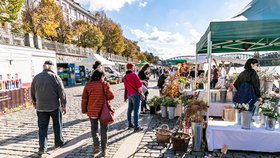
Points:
point(91, 59)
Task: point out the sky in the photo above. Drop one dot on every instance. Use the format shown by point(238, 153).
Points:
point(166, 28)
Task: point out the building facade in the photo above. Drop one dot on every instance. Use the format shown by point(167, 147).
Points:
point(71, 10)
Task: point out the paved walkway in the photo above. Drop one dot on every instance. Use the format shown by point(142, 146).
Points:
point(19, 138)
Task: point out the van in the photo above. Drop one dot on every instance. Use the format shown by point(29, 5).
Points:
point(111, 73)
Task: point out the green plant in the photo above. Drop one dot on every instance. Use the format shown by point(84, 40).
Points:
point(185, 99)
point(272, 113)
point(155, 101)
point(170, 102)
point(241, 107)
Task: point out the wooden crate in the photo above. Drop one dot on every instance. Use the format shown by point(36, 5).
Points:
point(229, 113)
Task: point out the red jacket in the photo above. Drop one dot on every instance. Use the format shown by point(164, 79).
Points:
point(134, 81)
point(93, 97)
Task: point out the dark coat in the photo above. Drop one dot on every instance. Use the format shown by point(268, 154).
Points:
point(249, 76)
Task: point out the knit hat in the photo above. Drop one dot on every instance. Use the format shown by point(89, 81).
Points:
point(129, 65)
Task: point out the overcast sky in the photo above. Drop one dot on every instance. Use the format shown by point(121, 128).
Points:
point(167, 28)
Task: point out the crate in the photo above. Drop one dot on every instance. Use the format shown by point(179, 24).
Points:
point(229, 113)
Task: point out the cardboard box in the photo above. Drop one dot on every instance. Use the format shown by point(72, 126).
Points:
point(229, 113)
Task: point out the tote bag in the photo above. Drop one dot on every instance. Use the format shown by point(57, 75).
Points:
point(107, 113)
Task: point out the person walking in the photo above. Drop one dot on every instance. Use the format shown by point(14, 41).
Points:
point(93, 99)
point(161, 81)
point(143, 76)
point(133, 92)
point(49, 99)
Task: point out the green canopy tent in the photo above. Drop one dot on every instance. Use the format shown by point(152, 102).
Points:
point(141, 63)
point(259, 32)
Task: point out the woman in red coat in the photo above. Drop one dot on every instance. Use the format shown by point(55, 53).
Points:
point(93, 100)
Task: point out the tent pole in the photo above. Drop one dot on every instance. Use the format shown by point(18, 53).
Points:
point(195, 75)
point(209, 57)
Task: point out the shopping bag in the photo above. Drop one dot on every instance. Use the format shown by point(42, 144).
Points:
point(107, 114)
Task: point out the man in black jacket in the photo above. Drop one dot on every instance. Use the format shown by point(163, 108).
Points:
point(161, 81)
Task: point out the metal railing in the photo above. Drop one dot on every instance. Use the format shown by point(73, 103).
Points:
point(8, 38)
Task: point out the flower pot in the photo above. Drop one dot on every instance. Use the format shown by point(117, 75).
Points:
point(178, 110)
point(197, 135)
point(181, 87)
point(263, 119)
point(223, 96)
point(237, 117)
point(268, 85)
point(163, 111)
point(171, 112)
point(270, 124)
point(213, 97)
point(246, 119)
point(152, 110)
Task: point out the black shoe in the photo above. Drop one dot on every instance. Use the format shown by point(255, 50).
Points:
point(146, 110)
point(59, 146)
point(130, 126)
point(41, 152)
point(137, 129)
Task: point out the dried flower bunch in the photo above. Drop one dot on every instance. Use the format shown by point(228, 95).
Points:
point(196, 110)
point(266, 74)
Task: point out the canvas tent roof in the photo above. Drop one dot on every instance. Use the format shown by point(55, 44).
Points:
point(91, 59)
point(261, 31)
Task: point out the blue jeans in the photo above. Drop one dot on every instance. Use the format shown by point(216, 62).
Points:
point(43, 123)
point(133, 105)
point(103, 133)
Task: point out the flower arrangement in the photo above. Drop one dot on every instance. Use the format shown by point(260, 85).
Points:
point(233, 77)
point(195, 110)
point(266, 74)
point(171, 89)
point(241, 107)
point(272, 113)
point(182, 80)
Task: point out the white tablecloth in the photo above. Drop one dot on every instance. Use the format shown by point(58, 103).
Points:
point(255, 139)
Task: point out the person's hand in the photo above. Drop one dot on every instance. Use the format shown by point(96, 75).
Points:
point(63, 110)
point(260, 99)
point(34, 104)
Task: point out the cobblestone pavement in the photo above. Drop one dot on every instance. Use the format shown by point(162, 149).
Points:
point(149, 147)
point(19, 131)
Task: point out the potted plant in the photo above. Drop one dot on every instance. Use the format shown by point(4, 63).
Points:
point(171, 104)
point(185, 99)
point(272, 115)
point(194, 112)
point(182, 82)
point(223, 95)
point(267, 77)
point(152, 104)
point(238, 109)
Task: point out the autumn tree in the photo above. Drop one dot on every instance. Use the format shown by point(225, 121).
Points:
point(9, 10)
point(43, 20)
point(79, 27)
point(131, 48)
point(113, 37)
point(64, 32)
point(142, 56)
point(91, 38)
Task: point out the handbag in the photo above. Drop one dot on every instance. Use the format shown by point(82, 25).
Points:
point(142, 97)
point(107, 113)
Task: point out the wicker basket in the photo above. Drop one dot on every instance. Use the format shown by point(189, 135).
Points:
point(163, 134)
point(180, 141)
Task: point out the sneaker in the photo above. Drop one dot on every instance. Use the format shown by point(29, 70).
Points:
point(96, 150)
point(130, 126)
point(104, 153)
point(59, 146)
point(137, 129)
point(143, 113)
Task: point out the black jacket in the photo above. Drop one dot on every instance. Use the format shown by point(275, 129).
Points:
point(249, 76)
point(161, 81)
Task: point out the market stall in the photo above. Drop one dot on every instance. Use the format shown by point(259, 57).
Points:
point(262, 33)
point(18, 67)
